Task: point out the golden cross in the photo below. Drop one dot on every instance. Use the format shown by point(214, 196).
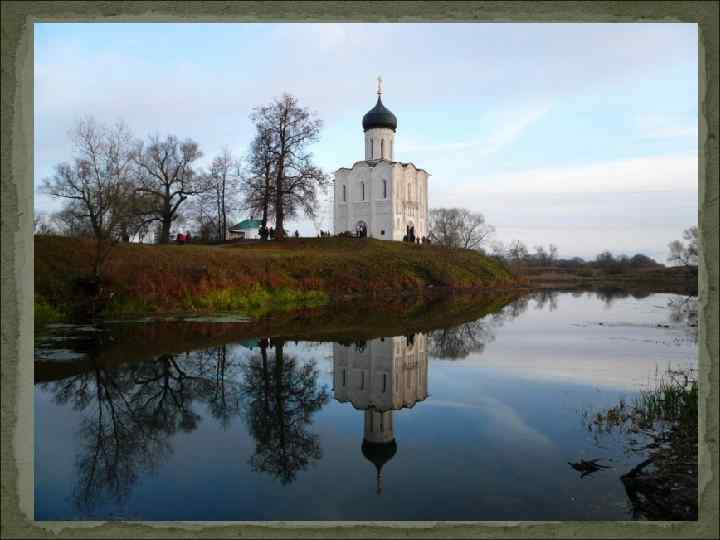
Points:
point(380, 88)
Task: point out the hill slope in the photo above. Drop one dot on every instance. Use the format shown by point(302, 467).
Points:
point(251, 276)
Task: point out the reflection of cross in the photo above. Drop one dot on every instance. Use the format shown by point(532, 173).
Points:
point(380, 90)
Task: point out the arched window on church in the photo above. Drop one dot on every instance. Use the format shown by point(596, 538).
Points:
point(382, 148)
point(408, 192)
point(344, 193)
point(371, 149)
point(362, 190)
point(384, 189)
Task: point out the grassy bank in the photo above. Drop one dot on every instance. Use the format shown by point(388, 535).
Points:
point(253, 278)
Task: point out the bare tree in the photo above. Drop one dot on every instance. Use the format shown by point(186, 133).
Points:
point(98, 184)
point(498, 249)
point(166, 178)
point(444, 226)
point(71, 221)
point(223, 178)
point(459, 228)
point(257, 186)
point(202, 213)
point(290, 130)
point(474, 231)
point(517, 251)
point(685, 254)
point(545, 257)
point(552, 253)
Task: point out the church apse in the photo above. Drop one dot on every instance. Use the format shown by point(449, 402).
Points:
point(379, 377)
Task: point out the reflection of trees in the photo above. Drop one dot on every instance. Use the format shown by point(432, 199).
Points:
point(608, 295)
point(459, 341)
point(280, 396)
point(137, 408)
point(545, 297)
point(685, 311)
point(515, 308)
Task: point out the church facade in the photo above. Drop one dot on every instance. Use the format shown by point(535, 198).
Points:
point(380, 197)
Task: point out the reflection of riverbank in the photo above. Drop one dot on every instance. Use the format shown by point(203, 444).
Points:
point(114, 344)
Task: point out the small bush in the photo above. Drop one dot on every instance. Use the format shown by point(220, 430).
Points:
point(45, 313)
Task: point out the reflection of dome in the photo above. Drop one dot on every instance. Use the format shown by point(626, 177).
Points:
point(379, 454)
point(379, 117)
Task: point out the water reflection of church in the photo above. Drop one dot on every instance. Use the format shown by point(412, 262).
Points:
point(381, 376)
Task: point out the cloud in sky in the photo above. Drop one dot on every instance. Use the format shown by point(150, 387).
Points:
point(504, 116)
point(508, 127)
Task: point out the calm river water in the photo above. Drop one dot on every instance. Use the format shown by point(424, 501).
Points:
point(478, 420)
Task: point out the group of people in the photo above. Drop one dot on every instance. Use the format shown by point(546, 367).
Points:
point(410, 236)
point(325, 234)
point(183, 238)
point(417, 240)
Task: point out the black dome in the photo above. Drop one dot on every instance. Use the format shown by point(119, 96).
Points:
point(379, 453)
point(379, 117)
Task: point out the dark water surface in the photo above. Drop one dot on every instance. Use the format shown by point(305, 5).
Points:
point(198, 420)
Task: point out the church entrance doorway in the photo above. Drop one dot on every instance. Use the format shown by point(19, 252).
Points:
point(410, 232)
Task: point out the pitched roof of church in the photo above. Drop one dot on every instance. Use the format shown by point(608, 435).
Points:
point(379, 117)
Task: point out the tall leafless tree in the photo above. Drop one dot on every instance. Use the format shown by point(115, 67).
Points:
point(291, 129)
point(257, 186)
point(167, 178)
point(98, 183)
point(517, 251)
point(223, 178)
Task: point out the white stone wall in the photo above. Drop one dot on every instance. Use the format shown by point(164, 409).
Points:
point(364, 194)
point(387, 209)
point(410, 203)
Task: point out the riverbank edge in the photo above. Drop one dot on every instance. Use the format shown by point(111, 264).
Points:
point(255, 279)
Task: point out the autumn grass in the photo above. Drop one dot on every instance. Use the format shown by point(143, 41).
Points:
point(254, 277)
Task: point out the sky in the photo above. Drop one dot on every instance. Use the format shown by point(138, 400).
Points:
point(580, 135)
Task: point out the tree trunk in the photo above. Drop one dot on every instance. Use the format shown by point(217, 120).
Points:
point(223, 226)
point(279, 211)
point(165, 231)
point(266, 199)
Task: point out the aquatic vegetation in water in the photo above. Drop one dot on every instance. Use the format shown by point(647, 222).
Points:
point(664, 486)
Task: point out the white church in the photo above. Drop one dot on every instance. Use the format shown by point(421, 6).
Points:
point(380, 197)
